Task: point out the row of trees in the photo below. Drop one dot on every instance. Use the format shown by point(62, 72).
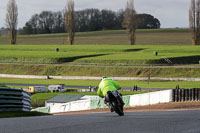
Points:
point(85, 20)
point(92, 19)
point(45, 22)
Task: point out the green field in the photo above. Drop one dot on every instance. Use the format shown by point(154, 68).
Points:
point(127, 83)
point(103, 47)
point(144, 37)
point(100, 60)
point(173, 47)
point(99, 54)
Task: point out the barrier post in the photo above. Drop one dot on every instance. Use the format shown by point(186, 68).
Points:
point(173, 95)
point(176, 95)
point(182, 95)
point(190, 94)
point(195, 94)
point(185, 94)
point(199, 94)
point(179, 95)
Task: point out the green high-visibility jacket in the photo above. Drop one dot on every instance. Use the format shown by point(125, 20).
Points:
point(106, 85)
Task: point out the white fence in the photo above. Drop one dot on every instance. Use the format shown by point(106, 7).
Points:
point(23, 76)
point(70, 106)
point(151, 98)
point(135, 100)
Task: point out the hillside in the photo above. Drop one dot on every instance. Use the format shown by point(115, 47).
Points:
point(36, 54)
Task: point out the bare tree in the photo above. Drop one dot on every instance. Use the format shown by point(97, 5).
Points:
point(70, 21)
point(194, 18)
point(130, 21)
point(12, 20)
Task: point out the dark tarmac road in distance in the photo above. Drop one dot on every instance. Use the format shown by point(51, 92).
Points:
point(132, 122)
point(85, 87)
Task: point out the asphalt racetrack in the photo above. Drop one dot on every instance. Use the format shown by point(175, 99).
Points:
point(132, 122)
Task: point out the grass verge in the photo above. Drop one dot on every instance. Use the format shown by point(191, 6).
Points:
point(110, 71)
point(127, 83)
point(20, 114)
point(2, 85)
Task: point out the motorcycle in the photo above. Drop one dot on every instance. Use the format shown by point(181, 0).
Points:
point(115, 102)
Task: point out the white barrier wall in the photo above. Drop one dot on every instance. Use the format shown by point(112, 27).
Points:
point(140, 99)
point(71, 106)
point(23, 76)
point(135, 100)
point(151, 98)
point(154, 98)
point(165, 96)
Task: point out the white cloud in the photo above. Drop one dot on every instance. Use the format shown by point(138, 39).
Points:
point(171, 13)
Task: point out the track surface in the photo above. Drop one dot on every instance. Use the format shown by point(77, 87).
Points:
point(132, 122)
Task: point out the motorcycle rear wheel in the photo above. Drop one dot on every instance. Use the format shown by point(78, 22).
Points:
point(118, 108)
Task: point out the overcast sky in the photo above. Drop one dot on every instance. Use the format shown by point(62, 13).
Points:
point(171, 13)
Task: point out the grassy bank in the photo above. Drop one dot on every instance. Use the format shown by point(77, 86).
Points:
point(2, 85)
point(169, 43)
point(20, 114)
point(117, 71)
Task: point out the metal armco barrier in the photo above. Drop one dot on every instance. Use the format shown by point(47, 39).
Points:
point(12, 99)
point(181, 95)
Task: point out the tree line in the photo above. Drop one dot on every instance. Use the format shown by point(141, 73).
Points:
point(93, 20)
point(85, 20)
point(72, 21)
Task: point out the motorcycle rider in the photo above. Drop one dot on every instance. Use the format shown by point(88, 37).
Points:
point(106, 86)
